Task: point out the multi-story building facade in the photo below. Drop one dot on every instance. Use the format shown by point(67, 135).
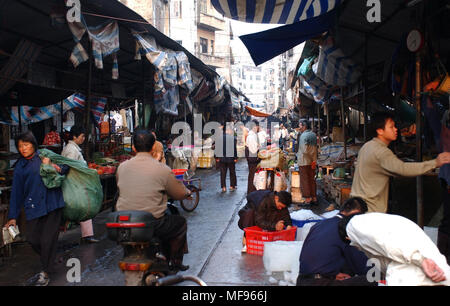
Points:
point(155, 12)
point(198, 27)
point(194, 24)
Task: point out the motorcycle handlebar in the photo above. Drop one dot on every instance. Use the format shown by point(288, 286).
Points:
point(175, 279)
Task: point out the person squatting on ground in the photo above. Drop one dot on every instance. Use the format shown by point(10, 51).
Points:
point(404, 252)
point(144, 184)
point(72, 150)
point(306, 159)
point(376, 163)
point(267, 210)
point(326, 260)
point(43, 206)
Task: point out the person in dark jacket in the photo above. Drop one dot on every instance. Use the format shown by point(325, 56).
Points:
point(273, 214)
point(326, 260)
point(227, 158)
point(43, 207)
point(266, 209)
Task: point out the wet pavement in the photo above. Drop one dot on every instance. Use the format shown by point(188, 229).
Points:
point(214, 239)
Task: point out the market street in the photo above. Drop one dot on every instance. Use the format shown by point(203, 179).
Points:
point(213, 236)
point(214, 245)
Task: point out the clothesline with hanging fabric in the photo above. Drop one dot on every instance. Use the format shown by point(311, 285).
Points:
point(104, 42)
point(30, 114)
point(172, 73)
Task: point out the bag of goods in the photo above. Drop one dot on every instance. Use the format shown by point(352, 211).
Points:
point(273, 158)
point(282, 255)
point(82, 190)
point(295, 179)
point(296, 194)
point(260, 180)
point(280, 183)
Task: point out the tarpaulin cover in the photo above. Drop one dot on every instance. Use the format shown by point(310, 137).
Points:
point(30, 114)
point(273, 11)
point(256, 113)
point(265, 45)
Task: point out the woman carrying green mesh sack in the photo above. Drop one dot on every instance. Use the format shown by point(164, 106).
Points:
point(43, 206)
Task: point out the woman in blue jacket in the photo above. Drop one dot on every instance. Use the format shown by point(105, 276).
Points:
point(43, 206)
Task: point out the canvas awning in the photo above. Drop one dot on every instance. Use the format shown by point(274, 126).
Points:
point(273, 11)
point(42, 24)
point(256, 113)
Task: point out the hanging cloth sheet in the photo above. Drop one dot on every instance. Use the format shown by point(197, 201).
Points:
point(265, 45)
point(333, 66)
point(24, 55)
point(172, 72)
point(30, 114)
point(104, 40)
point(273, 11)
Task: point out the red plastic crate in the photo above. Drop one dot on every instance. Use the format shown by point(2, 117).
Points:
point(179, 173)
point(256, 237)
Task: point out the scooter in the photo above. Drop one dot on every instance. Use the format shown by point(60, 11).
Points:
point(143, 262)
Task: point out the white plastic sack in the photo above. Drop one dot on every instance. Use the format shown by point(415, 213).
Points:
point(295, 180)
point(330, 214)
point(305, 214)
point(282, 256)
point(303, 231)
point(280, 183)
point(260, 180)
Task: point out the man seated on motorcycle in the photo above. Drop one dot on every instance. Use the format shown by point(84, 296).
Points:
point(144, 184)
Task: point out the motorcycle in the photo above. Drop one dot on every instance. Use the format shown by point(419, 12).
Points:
point(143, 262)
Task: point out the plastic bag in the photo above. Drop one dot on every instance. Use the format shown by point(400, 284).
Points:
point(282, 255)
point(82, 190)
point(260, 180)
point(280, 183)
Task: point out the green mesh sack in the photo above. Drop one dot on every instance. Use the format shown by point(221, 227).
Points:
point(50, 177)
point(82, 190)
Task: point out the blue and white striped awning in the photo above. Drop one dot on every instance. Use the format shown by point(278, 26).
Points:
point(273, 11)
point(254, 105)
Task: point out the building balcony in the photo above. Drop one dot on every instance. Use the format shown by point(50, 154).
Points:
point(210, 22)
point(212, 60)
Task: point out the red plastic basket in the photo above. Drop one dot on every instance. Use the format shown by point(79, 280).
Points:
point(256, 237)
point(179, 173)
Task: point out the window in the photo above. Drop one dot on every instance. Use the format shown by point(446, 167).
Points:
point(176, 9)
point(258, 78)
point(212, 47)
point(203, 6)
point(203, 45)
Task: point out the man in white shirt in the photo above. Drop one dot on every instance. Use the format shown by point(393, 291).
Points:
point(262, 137)
point(252, 146)
point(406, 255)
point(73, 151)
point(119, 120)
point(276, 136)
